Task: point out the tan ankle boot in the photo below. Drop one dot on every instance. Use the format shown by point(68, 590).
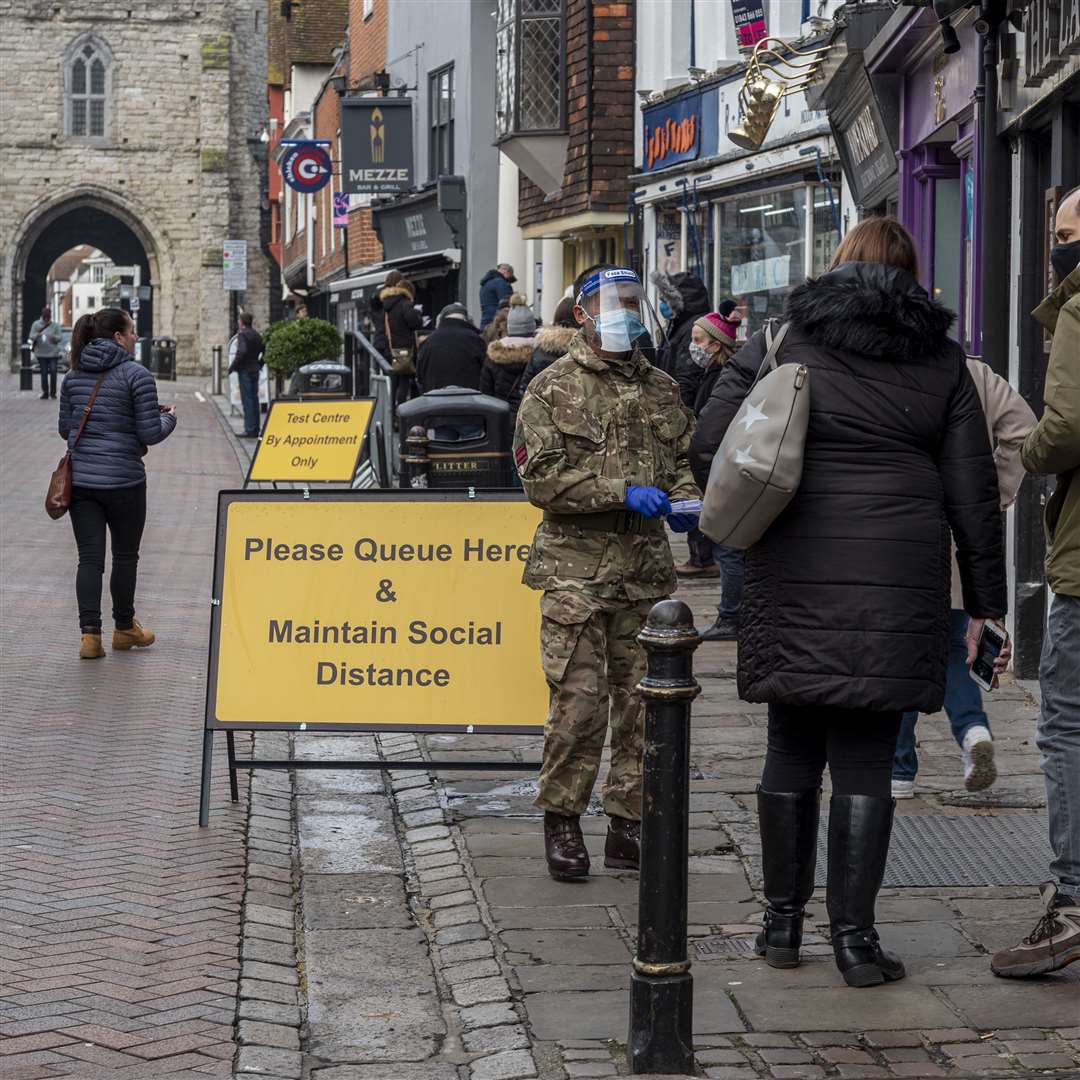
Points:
point(90, 647)
point(135, 638)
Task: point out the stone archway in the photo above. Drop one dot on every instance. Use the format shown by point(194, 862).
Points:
point(85, 216)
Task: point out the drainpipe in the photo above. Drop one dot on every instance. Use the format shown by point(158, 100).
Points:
point(992, 285)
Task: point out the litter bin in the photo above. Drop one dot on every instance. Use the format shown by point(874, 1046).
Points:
point(163, 358)
point(323, 378)
point(468, 438)
point(26, 368)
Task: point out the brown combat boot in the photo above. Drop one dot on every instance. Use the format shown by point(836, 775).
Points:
point(90, 646)
point(622, 849)
point(564, 847)
point(136, 637)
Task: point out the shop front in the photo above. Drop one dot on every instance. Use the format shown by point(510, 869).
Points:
point(751, 225)
point(418, 241)
point(938, 195)
point(1039, 113)
point(863, 110)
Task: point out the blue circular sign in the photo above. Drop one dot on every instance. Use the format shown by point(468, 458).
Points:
point(307, 168)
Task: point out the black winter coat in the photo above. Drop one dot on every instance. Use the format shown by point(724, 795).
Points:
point(674, 356)
point(125, 418)
point(552, 343)
point(506, 360)
point(452, 356)
point(847, 593)
point(393, 307)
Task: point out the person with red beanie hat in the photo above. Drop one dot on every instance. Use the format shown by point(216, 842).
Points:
point(713, 342)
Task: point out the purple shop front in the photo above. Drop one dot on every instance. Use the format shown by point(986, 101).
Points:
point(939, 168)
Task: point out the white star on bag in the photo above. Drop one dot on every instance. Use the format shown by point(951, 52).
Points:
point(743, 456)
point(754, 415)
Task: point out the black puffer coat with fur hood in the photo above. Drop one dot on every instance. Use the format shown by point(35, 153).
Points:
point(847, 593)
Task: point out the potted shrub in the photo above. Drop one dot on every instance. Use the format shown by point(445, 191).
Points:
point(289, 345)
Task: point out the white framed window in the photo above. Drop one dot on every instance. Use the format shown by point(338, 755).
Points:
point(87, 88)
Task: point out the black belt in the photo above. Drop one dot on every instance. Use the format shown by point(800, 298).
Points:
point(614, 521)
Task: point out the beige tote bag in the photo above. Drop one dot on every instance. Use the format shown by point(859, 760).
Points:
point(758, 466)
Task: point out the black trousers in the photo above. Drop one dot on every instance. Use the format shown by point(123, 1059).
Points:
point(123, 512)
point(857, 744)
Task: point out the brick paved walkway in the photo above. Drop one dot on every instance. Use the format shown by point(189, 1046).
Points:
point(118, 916)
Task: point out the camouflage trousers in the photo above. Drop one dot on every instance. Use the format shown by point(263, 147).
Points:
point(593, 664)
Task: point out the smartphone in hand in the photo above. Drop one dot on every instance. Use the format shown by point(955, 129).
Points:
point(991, 641)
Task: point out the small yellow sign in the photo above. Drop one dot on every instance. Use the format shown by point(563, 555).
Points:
point(312, 441)
point(374, 610)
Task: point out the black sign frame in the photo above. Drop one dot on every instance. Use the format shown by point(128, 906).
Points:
point(377, 156)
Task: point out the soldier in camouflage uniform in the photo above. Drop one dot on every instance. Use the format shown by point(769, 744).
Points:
point(600, 444)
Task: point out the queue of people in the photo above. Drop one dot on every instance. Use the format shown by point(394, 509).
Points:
point(847, 621)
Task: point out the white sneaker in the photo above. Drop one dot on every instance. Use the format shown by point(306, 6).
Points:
point(977, 753)
point(903, 789)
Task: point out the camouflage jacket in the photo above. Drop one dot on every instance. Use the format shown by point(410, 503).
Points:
point(587, 429)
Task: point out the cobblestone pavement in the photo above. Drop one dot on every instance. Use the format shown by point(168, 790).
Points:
point(119, 917)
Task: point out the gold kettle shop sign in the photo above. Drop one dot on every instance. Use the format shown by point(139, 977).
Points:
point(775, 69)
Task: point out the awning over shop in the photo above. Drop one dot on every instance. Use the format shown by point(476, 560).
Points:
point(415, 267)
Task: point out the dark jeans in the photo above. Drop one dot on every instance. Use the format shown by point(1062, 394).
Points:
point(963, 702)
point(123, 510)
point(47, 366)
point(857, 744)
point(249, 398)
point(732, 575)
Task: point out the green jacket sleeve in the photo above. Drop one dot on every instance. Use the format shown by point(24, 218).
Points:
point(549, 479)
point(1054, 445)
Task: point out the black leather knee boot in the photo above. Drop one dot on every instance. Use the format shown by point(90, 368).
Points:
point(789, 824)
point(859, 830)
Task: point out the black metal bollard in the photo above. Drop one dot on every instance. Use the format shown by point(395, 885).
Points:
point(215, 370)
point(661, 986)
point(415, 458)
point(26, 368)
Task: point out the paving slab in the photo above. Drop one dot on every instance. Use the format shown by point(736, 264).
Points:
point(355, 901)
point(371, 994)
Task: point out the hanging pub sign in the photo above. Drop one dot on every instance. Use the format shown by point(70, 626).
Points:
point(672, 132)
point(750, 26)
point(376, 145)
point(306, 165)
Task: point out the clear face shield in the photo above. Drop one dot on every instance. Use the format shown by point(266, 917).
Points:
point(614, 313)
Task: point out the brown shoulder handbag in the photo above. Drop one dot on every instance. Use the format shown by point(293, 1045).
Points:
point(58, 497)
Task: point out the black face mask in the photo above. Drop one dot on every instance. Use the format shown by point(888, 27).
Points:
point(1065, 258)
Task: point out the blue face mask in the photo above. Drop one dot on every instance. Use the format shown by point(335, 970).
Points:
point(618, 330)
point(665, 309)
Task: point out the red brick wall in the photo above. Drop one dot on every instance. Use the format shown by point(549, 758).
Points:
point(327, 120)
point(367, 39)
point(600, 115)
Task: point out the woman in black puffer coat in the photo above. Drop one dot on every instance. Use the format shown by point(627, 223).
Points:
point(508, 355)
point(552, 343)
point(108, 478)
point(396, 320)
point(845, 619)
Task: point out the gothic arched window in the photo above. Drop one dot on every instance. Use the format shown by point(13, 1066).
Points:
point(87, 81)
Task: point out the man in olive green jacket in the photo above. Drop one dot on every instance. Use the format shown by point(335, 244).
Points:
point(1054, 447)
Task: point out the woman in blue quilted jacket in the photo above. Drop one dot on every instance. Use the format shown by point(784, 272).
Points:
point(108, 487)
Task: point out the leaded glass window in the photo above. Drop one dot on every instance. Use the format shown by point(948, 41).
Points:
point(530, 68)
point(87, 89)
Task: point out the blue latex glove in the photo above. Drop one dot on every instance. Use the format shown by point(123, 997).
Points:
point(650, 502)
point(682, 523)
